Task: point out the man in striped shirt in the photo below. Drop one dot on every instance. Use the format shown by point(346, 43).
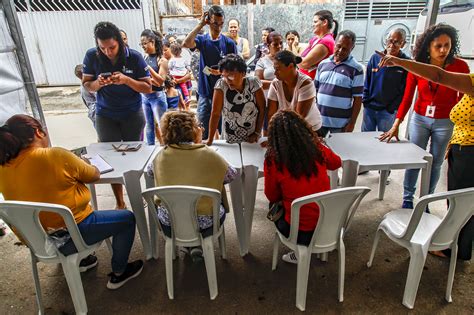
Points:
point(340, 84)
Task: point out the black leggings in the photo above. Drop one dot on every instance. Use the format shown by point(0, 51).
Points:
point(304, 237)
point(461, 175)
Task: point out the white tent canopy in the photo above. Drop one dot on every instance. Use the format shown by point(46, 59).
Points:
point(12, 89)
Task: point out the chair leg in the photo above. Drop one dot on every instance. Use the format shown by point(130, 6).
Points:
point(342, 268)
point(39, 298)
point(415, 269)
point(70, 265)
point(209, 259)
point(109, 245)
point(374, 248)
point(169, 267)
point(222, 244)
point(452, 269)
point(276, 243)
point(304, 259)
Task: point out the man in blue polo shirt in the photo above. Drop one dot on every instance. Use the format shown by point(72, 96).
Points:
point(213, 47)
point(384, 87)
point(340, 83)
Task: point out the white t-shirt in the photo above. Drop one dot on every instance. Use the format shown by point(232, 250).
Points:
point(266, 64)
point(178, 66)
point(239, 110)
point(301, 93)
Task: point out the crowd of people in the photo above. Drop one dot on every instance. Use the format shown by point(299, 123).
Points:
point(298, 95)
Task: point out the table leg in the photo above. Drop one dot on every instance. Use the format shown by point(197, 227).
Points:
point(350, 169)
point(236, 194)
point(134, 191)
point(383, 183)
point(333, 177)
point(93, 196)
point(425, 176)
point(250, 182)
point(150, 183)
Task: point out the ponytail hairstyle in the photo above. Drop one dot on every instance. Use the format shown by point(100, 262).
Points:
point(105, 31)
point(156, 38)
point(17, 134)
point(286, 57)
point(272, 36)
point(327, 15)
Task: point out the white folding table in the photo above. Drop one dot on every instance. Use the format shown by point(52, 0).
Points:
point(362, 151)
point(232, 153)
point(128, 169)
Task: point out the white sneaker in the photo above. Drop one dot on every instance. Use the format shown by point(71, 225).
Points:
point(290, 258)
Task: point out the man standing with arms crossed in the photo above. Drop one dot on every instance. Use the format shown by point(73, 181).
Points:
point(213, 47)
point(384, 87)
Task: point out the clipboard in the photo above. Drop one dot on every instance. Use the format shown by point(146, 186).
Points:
point(100, 163)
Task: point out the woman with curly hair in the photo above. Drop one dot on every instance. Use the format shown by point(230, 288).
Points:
point(154, 103)
point(296, 165)
point(186, 161)
point(437, 46)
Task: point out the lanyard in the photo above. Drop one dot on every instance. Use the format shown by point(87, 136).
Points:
point(433, 90)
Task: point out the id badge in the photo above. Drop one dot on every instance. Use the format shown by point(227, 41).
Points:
point(430, 111)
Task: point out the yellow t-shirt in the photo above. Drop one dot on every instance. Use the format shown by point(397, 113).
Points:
point(52, 175)
point(462, 115)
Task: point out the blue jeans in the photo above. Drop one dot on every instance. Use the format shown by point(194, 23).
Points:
point(377, 120)
point(154, 106)
point(421, 129)
point(204, 110)
point(99, 225)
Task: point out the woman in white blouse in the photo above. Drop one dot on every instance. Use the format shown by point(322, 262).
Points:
point(292, 90)
point(264, 68)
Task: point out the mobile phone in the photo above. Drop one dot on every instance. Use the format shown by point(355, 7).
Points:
point(206, 70)
point(106, 75)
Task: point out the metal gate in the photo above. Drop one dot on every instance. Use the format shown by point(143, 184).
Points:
point(58, 32)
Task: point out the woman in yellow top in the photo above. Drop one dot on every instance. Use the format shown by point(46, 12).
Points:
point(460, 153)
point(32, 171)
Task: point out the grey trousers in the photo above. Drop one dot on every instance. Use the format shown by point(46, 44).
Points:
point(127, 128)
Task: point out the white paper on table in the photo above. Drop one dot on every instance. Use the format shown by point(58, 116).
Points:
point(100, 163)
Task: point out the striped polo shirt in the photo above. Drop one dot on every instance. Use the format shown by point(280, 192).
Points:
point(336, 85)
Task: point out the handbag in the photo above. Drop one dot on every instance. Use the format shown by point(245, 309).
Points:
point(276, 211)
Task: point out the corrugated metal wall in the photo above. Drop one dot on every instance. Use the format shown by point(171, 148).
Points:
point(58, 33)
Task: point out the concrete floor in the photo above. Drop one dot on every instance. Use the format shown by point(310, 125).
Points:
point(246, 285)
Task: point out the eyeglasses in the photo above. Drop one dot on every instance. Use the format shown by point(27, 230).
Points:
point(143, 44)
point(394, 42)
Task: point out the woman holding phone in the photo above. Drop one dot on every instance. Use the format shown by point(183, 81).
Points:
point(118, 74)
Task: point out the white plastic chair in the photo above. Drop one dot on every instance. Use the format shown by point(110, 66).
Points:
point(24, 217)
point(181, 203)
point(336, 208)
point(420, 232)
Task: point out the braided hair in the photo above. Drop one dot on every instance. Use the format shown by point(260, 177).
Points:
point(293, 144)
